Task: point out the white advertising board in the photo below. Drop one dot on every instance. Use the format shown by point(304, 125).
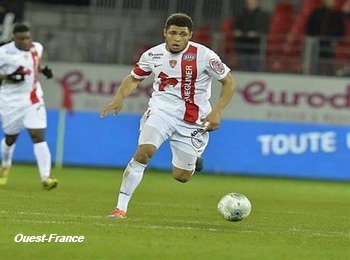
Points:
point(259, 96)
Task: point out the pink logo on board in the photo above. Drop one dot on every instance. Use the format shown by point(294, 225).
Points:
point(75, 82)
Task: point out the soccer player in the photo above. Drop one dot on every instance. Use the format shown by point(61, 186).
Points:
point(21, 101)
point(179, 109)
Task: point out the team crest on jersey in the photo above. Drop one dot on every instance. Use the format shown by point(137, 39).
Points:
point(172, 63)
point(197, 138)
point(217, 66)
point(189, 56)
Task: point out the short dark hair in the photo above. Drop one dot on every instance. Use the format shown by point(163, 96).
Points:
point(20, 27)
point(179, 19)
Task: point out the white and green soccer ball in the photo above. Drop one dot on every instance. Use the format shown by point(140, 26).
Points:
point(234, 207)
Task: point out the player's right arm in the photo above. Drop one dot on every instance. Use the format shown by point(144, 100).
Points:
point(127, 86)
point(2, 63)
point(15, 76)
point(140, 71)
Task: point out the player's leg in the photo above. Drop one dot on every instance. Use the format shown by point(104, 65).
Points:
point(11, 118)
point(133, 174)
point(35, 122)
point(132, 177)
point(150, 139)
point(188, 143)
point(8, 144)
point(183, 164)
point(41, 152)
point(199, 164)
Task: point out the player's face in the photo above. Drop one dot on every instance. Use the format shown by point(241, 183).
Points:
point(176, 38)
point(23, 40)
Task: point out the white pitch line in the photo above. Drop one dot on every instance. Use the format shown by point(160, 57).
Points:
point(180, 205)
point(267, 213)
point(125, 223)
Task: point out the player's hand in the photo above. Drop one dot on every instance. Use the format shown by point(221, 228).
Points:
point(212, 121)
point(115, 106)
point(47, 72)
point(16, 76)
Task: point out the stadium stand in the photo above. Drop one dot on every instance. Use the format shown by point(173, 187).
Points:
point(285, 48)
point(6, 27)
point(281, 22)
point(225, 46)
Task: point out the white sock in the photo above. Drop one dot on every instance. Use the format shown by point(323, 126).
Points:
point(6, 154)
point(132, 177)
point(43, 159)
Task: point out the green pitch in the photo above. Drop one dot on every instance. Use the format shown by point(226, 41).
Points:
point(290, 219)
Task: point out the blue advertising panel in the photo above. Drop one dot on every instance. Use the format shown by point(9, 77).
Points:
point(280, 149)
point(243, 147)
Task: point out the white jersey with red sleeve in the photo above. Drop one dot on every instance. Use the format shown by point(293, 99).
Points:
point(182, 81)
point(29, 91)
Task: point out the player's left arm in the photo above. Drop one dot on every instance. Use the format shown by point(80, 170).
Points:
point(213, 119)
point(46, 71)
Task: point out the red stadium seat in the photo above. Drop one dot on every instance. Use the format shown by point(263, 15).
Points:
point(226, 43)
point(281, 22)
point(202, 35)
point(342, 57)
point(227, 25)
point(283, 8)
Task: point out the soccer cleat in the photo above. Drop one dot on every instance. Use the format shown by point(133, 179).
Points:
point(117, 213)
point(199, 164)
point(4, 174)
point(50, 183)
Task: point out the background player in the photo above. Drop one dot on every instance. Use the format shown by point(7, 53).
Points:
point(21, 101)
point(179, 109)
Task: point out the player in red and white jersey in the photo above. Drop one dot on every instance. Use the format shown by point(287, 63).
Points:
point(21, 101)
point(182, 85)
point(179, 108)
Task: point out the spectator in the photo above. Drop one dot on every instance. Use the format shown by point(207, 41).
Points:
point(328, 25)
point(249, 27)
point(346, 8)
point(3, 11)
point(13, 6)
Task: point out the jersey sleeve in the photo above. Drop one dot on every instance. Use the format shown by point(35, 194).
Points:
point(9, 61)
point(142, 69)
point(39, 48)
point(215, 67)
point(3, 57)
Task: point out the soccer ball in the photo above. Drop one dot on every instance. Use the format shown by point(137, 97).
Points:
point(234, 207)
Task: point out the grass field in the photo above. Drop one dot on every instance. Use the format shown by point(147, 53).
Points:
point(291, 219)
